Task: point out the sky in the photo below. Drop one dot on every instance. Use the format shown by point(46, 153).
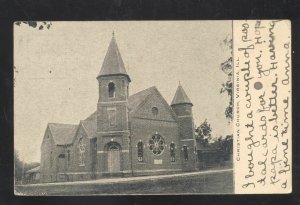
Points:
point(56, 69)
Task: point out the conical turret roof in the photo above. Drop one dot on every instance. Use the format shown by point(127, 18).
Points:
point(181, 97)
point(113, 63)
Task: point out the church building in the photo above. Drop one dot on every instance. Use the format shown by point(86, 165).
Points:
point(134, 135)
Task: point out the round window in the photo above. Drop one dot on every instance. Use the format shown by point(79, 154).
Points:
point(156, 144)
point(154, 110)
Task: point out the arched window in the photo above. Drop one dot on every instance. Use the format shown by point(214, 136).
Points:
point(172, 152)
point(111, 90)
point(81, 147)
point(154, 110)
point(113, 147)
point(140, 151)
point(185, 153)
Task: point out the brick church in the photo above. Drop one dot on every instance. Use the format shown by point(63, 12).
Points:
point(127, 135)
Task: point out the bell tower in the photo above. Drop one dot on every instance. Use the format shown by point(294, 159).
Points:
point(112, 113)
point(113, 83)
point(182, 106)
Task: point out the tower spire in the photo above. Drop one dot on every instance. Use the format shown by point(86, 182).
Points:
point(181, 97)
point(113, 63)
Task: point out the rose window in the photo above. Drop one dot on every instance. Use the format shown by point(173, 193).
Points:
point(156, 144)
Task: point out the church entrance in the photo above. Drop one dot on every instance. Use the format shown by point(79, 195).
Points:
point(114, 158)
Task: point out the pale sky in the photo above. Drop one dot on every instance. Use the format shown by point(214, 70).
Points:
point(56, 69)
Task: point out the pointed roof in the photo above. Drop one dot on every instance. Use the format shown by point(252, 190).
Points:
point(113, 63)
point(181, 97)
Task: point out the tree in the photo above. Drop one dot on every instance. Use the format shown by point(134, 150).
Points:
point(18, 166)
point(226, 145)
point(203, 133)
point(226, 67)
point(21, 167)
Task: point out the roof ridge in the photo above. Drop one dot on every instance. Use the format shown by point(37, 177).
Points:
point(56, 123)
point(90, 116)
point(152, 87)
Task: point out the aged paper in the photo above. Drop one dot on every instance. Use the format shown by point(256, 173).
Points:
point(262, 106)
point(152, 107)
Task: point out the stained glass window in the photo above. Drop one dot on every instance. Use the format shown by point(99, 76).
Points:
point(185, 153)
point(140, 148)
point(156, 144)
point(81, 147)
point(172, 152)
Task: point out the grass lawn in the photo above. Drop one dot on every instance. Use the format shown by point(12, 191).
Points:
point(194, 183)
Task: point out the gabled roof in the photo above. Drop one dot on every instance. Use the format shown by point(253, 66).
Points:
point(136, 101)
point(63, 134)
point(113, 63)
point(181, 97)
point(138, 98)
point(90, 125)
point(34, 170)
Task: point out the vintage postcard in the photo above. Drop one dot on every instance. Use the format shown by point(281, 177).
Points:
point(152, 107)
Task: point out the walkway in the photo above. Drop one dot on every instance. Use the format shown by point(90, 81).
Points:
point(132, 179)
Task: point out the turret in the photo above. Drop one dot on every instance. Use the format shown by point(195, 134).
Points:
point(182, 106)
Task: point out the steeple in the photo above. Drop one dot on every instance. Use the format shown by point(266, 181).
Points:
point(181, 97)
point(113, 63)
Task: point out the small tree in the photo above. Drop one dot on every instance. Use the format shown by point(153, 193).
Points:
point(226, 145)
point(226, 67)
point(18, 166)
point(203, 133)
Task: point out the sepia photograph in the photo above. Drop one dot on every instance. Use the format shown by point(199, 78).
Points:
point(123, 108)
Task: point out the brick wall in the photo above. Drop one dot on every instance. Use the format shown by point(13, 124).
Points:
point(48, 151)
point(75, 170)
point(118, 102)
point(143, 129)
point(187, 138)
point(66, 169)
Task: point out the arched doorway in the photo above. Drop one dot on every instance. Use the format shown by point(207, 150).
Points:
point(113, 158)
